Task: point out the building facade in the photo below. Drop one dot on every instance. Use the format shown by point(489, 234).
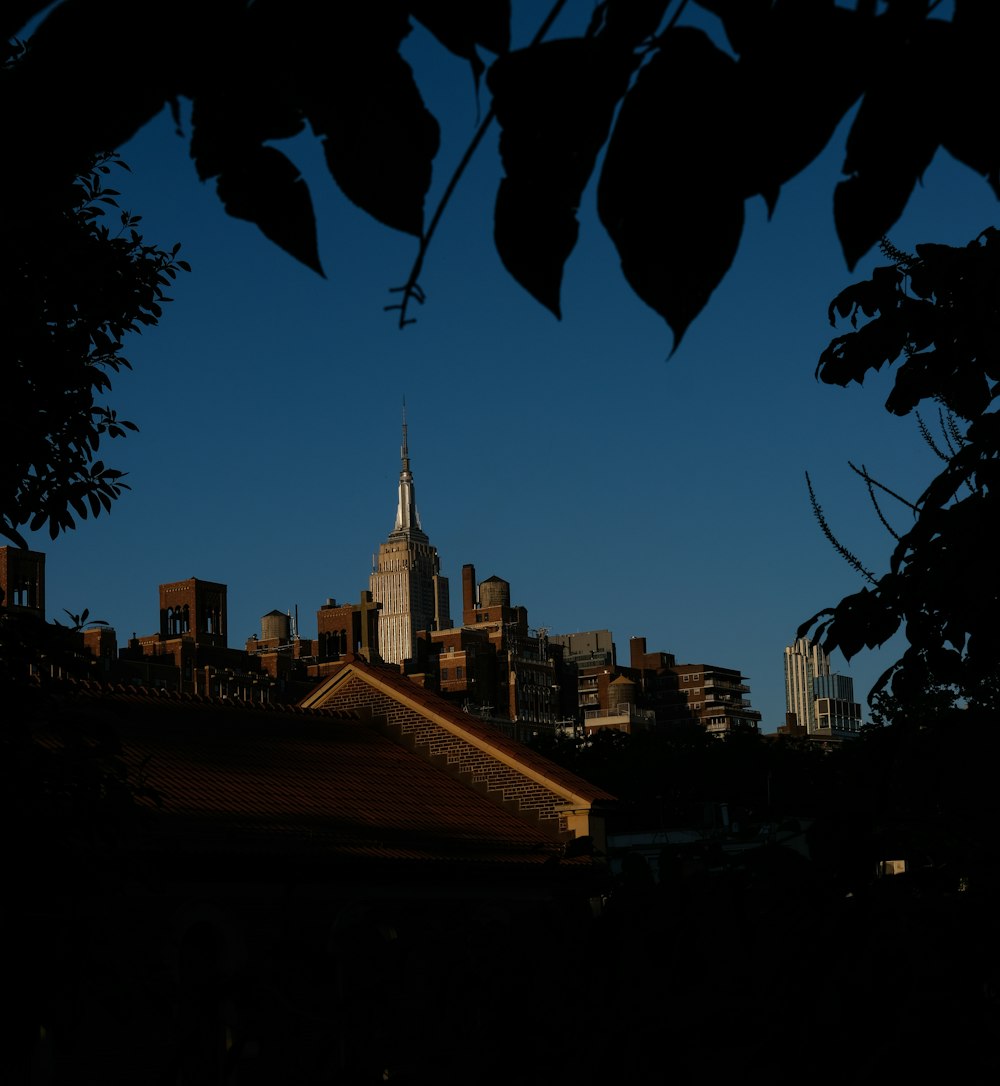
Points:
point(406, 581)
point(803, 663)
point(22, 581)
point(714, 697)
point(817, 701)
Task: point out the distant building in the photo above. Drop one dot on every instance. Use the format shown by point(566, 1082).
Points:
point(589, 648)
point(653, 691)
point(803, 663)
point(22, 581)
point(190, 653)
point(279, 649)
point(658, 685)
point(406, 581)
point(495, 665)
point(715, 698)
point(348, 627)
point(817, 702)
point(837, 713)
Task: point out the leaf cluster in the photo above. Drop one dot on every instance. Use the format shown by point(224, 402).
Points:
point(937, 314)
point(77, 278)
point(691, 125)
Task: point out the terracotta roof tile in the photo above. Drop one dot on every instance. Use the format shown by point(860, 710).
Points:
point(235, 779)
point(474, 726)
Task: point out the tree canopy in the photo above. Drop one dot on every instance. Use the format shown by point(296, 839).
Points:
point(75, 287)
point(693, 124)
point(937, 314)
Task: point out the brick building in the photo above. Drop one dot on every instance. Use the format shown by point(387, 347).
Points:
point(714, 698)
point(348, 628)
point(190, 653)
point(653, 691)
point(352, 892)
point(633, 697)
point(22, 581)
point(495, 664)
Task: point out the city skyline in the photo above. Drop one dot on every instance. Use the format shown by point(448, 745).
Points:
point(408, 592)
point(610, 486)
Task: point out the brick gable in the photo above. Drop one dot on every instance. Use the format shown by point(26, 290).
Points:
point(461, 757)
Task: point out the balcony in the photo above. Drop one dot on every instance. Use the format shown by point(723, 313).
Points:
point(726, 702)
point(727, 687)
point(623, 712)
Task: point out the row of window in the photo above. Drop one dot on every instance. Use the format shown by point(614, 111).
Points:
point(459, 673)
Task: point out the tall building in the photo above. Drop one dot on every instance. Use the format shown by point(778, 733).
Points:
point(406, 580)
point(816, 700)
point(837, 713)
point(803, 663)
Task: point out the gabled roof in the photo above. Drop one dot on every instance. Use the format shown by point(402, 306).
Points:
point(534, 766)
point(315, 786)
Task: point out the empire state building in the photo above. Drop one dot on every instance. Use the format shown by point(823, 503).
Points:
point(406, 579)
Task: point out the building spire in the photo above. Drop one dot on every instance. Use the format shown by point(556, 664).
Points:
point(404, 452)
point(407, 518)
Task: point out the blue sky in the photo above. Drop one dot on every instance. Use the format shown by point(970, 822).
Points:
point(612, 487)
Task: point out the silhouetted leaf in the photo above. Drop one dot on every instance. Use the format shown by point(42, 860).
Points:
point(264, 187)
point(938, 310)
point(889, 147)
point(822, 52)
point(62, 62)
point(460, 28)
point(554, 104)
point(77, 290)
point(968, 132)
point(628, 24)
point(362, 101)
point(670, 190)
point(742, 20)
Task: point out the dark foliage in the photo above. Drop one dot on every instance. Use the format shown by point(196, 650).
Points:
point(77, 278)
point(700, 128)
point(937, 314)
point(65, 787)
point(666, 777)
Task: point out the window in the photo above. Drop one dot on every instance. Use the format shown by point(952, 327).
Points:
point(444, 674)
point(458, 673)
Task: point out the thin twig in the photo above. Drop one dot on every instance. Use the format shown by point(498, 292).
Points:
point(869, 482)
point(949, 427)
point(928, 437)
point(892, 493)
point(411, 289)
point(952, 427)
point(844, 553)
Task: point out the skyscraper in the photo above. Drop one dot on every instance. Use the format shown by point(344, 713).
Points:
point(803, 663)
point(406, 579)
point(820, 701)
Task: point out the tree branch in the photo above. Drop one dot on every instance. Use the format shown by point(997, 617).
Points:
point(411, 289)
point(844, 553)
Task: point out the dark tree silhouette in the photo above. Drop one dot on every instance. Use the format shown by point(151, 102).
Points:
point(700, 129)
point(936, 313)
point(75, 287)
